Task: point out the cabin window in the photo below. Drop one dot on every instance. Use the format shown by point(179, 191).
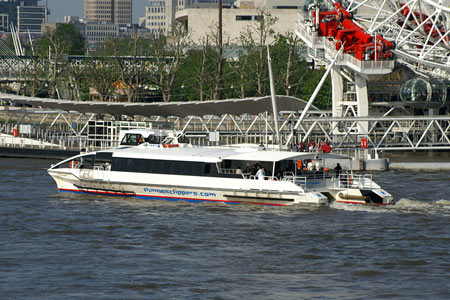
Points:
point(132, 139)
point(152, 139)
point(160, 166)
point(197, 168)
point(103, 157)
point(207, 169)
point(87, 161)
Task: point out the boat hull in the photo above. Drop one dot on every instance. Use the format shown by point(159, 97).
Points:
point(375, 196)
point(67, 182)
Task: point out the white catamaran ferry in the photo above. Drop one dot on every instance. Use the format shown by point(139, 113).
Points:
point(229, 175)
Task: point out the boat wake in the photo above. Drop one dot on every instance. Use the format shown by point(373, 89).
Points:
point(403, 205)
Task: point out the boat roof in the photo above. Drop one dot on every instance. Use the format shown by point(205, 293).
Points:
point(216, 154)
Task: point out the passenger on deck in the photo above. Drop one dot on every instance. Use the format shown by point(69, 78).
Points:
point(238, 170)
point(317, 165)
point(261, 173)
point(253, 170)
point(338, 169)
point(278, 176)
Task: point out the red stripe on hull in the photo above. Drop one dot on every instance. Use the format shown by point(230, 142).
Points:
point(362, 203)
point(167, 197)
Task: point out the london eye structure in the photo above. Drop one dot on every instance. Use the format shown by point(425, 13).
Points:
point(374, 35)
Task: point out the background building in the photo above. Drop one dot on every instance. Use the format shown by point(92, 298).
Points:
point(160, 14)
point(4, 21)
point(109, 11)
point(199, 19)
point(26, 15)
point(98, 32)
point(30, 18)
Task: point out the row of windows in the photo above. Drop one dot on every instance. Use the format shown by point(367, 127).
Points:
point(31, 21)
point(157, 3)
point(157, 23)
point(32, 9)
point(35, 16)
point(32, 28)
point(96, 39)
point(248, 18)
point(156, 17)
point(156, 10)
point(104, 28)
point(170, 167)
point(101, 34)
point(158, 30)
point(162, 166)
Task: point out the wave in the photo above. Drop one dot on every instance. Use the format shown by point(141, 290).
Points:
point(358, 207)
point(443, 202)
point(403, 205)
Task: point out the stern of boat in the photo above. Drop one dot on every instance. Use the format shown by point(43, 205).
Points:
point(359, 189)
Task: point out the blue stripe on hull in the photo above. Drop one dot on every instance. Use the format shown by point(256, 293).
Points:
point(149, 197)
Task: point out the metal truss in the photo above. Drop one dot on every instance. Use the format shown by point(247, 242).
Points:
point(384, 133)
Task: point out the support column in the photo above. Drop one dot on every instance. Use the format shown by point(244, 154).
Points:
point(362, 99)
point(337, 92)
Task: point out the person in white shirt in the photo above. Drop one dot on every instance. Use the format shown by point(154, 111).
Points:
point(261, 173)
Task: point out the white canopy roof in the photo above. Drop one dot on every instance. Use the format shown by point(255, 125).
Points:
point(178, 109)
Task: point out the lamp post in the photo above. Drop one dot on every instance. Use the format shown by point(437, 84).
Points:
point(232, 91)
point(182, 92)
point(220, 66)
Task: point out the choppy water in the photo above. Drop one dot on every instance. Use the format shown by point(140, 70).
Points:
point(69, 246)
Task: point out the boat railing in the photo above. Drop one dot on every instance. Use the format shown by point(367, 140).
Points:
point(261, 182)
point(355, 181)
point(297, 180)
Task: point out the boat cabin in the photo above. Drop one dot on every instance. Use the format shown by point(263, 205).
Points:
point(278, 165)
point(137, 137)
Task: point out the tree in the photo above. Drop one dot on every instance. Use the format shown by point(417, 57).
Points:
point(52, 47)
point(288, 67)
point(254, 54)
point(167, 54)
point(126, 52)
point(101, 74)
point(204, 62)
point(69, 38)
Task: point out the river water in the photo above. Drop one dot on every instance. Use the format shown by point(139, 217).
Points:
point(71, 246)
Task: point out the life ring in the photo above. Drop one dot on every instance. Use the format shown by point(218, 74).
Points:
point(169, 145)
point(73, 164)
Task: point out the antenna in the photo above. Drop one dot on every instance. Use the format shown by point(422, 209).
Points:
point(274, 102)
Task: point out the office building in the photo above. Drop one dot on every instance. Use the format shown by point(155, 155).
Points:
point(100, 32)
point(109, 11)
point(26, 15)
point(30, 18)
point(4, 22)
point(160, 14)
point(198, 19)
